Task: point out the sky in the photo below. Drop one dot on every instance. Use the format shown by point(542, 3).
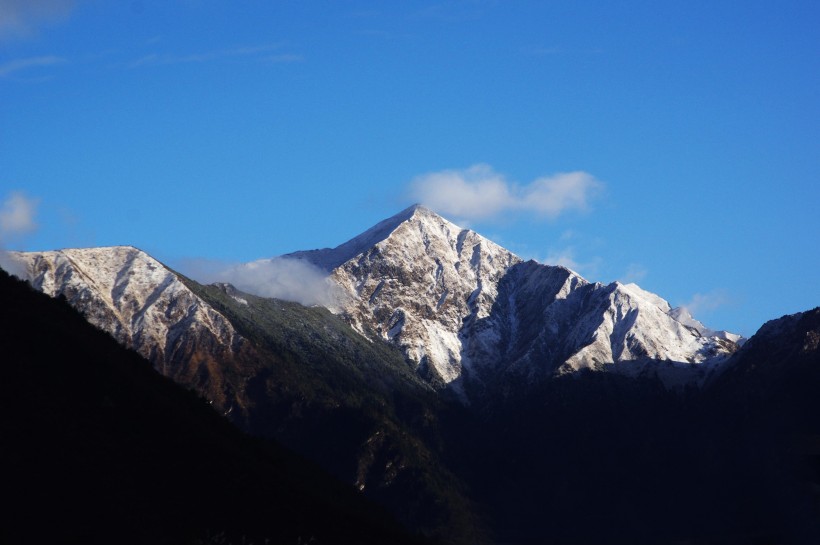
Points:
point(671, 144)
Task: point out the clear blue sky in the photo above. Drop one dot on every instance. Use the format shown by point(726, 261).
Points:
point(240, 130)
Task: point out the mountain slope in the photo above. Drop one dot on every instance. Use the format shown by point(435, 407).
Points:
point(412, 280)
point(276, 369)
point(464, 309)
point(136, 299)
point(99, 448)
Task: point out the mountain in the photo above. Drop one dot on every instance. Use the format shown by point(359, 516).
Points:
point(604, 458)
point(464, 309)
point(481, 398)
point(140, 302)
point(278, 370)
point(99, 448)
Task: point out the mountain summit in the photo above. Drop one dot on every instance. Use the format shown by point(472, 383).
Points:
point(415, 279)
point(463, 308)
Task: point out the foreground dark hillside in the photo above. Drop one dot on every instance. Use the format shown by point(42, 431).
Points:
point(99, 448)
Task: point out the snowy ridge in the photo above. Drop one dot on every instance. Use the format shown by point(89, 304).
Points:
point(328, 259)
point(682, 315)
point(465, 309)
point(417, 283)
point(467, 312)
point(135, 298)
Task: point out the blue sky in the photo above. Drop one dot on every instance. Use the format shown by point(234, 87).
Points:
point(672, 144)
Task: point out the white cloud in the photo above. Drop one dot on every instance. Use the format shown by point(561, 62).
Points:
point(19, 18)
point(567, 257)
point(635, 272)
point(280, 278)
point(11, 265)
point(564, 258)
point(17, 214)
point(481, 193)
point(552, 195)
point(705, 302)
point(477, 192)
point(16, 65)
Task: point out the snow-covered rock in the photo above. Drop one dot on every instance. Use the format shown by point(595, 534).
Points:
point(462, 308)
point(413, 279)
point(465, 308)
point(135, 298)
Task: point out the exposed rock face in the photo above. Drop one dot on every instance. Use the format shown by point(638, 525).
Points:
point(459, 306)
point(463, 307)
point(135, 298)
point(413, 280)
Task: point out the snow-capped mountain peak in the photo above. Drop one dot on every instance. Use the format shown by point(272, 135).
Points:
point(463, 308)
point(412, 279)
point(465, 311)
point(331, 258)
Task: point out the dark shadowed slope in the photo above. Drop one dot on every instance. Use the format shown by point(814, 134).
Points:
point(99, 448)
point(354, 406)
point(604, 459)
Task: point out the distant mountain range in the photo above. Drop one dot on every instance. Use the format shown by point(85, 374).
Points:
point(461, 308)
point(482, 398)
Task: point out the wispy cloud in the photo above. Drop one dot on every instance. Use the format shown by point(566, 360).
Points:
point(20, 18)
point(705, 302)
point(481, 193)
point(17, 215)
point(264, 53)
point(564, 258)
point(281, 278)
point(10, 67)
point(568, 257)
point(635, 272)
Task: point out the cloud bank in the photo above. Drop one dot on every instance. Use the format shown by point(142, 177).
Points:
point(280, 278)
point(481, 193)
